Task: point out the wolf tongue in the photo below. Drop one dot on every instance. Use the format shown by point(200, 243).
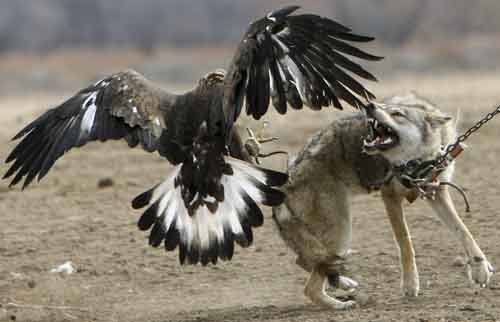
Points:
point(380, 139)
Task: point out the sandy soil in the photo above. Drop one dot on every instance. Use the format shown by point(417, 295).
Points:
point(120, 278)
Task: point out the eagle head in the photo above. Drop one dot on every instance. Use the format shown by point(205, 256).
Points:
point(213, 78)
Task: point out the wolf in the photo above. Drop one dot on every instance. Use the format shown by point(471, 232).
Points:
point(356, 155)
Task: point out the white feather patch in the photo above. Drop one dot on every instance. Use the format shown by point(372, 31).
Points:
point(164, 201)
point(270, 17)
point(271, 83)
point(298, 78)
point(285, 32)
point(166, 185)
point(209, 199)
point(171, 211)
point(89, 115)
point(240, 180)
point(280, 43)
point(233, 193)
point(203, 227)
point(248, 169)
point(102, 83)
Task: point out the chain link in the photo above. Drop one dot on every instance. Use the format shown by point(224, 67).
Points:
point(442, 158)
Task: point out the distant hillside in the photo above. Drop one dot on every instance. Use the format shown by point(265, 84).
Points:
point(43, 25)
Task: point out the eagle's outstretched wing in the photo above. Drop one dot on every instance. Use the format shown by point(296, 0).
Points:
point(122, 106)
point(295, 59)
point(206, 204)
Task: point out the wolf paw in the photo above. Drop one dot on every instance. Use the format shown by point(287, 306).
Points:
point(344, 305)
point(410, 286)
point(321, 298)
point(479, 271)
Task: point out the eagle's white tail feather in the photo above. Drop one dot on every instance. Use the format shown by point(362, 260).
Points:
point(202, 228)
point(209, 231)
point(166, 185)
point(246, 168)
point(235, 204)
point(170, 212)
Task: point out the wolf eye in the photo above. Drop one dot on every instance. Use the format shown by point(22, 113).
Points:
point(398, 114)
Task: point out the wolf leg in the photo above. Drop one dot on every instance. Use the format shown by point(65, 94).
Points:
point(335, 280)
point(299, 238)
point(307, 266)
point(478, 268)
point(315, 291)
point(410, 284)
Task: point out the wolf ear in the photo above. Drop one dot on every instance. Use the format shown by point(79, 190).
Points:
point(437, 120)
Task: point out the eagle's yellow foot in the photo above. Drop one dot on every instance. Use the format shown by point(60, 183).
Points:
point(254, 144)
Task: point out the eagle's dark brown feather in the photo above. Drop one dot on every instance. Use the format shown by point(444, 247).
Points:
point(130, 89)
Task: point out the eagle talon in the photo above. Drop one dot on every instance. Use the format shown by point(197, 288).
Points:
point(266, 140)
point(254, 144)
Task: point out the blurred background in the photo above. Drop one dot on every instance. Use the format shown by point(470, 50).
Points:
point(60, 44)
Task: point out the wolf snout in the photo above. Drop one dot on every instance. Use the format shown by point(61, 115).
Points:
point(370, 107)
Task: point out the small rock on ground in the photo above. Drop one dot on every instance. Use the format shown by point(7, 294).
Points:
point(459, 261)
point(105, 183)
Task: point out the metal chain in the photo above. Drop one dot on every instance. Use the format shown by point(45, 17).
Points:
point(442, 158)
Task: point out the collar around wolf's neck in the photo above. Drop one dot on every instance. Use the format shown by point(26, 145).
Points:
point(419, 168)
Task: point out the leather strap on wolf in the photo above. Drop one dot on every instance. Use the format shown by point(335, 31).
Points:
point(210, 198)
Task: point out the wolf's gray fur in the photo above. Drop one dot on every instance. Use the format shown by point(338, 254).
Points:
point(336, 164)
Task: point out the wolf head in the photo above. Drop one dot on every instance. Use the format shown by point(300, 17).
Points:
point(404, 128)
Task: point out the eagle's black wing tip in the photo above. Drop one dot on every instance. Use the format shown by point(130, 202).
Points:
point(17, 136)
point(274, 178)
point(283, 12)
point(372, 78)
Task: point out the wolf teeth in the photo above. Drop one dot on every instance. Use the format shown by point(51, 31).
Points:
point(368, 143)
point(387, 140)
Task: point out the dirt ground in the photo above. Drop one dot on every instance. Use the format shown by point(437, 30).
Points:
point(120, 278)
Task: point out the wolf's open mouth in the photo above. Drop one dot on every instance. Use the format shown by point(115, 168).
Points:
point(380, 136)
